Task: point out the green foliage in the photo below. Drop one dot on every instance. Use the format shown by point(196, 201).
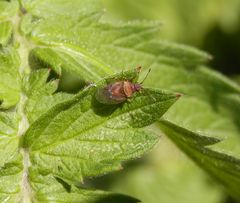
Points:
point(177, 16)
point(9, 77)
point(9, 140)
point(81, 137)
point(8, 9)
point(168, 177)
point(221, 166)
point(209, 110)
point(90, 48)
point(51, 141)
point(40, 94)
point(5, 32)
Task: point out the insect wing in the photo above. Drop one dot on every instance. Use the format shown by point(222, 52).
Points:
point(104, 96)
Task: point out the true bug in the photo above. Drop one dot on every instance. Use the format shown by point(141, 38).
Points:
point(119, 91)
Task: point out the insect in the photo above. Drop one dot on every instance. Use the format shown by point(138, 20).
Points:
point(119, 91)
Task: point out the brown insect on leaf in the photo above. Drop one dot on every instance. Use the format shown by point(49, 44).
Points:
point(119, 91)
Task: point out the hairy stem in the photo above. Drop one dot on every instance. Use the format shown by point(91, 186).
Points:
point(24, 70)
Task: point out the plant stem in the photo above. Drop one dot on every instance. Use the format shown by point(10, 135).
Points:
point(24, 71)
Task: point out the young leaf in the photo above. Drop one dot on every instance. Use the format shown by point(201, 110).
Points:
point(81, 137)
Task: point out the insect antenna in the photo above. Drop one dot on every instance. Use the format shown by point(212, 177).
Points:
point(149, 70)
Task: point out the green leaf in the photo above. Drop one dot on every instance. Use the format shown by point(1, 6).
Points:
point(50, 189)
point(211, 104)
point(40, 94)
point(5, 32)
point(210, 108)
point(90, 48)
point(10, 177)
point(165, 175)
point(81, 137)
point(73, 138)
point(9, 77)
point(8, 9)
point(47, 8)
point(58, 125)
point(8, 137)
point(223, 167)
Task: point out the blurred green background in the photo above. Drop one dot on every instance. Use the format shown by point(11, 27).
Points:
point(211, 25)
point(166, 175)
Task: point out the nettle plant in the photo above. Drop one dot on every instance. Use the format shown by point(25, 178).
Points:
point(51, 140)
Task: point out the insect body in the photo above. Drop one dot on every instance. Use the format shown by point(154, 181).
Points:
point(117, 92)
